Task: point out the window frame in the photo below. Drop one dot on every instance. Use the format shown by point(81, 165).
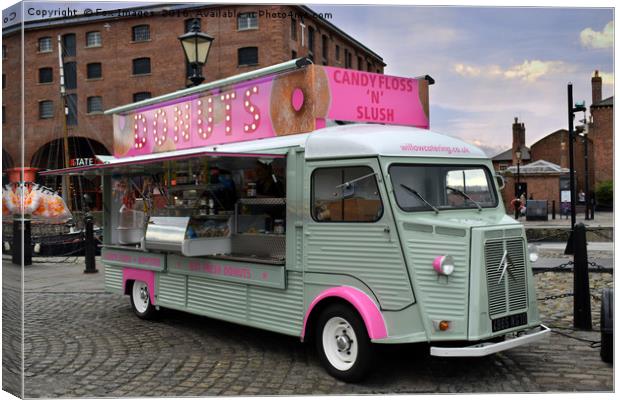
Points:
point(490, 180)
point(249, 26)
point(189, 22)
point(88, 77)
point(100, 44)
point(133, 33)
point(51, 116)
point(51, 48)
point(88, 102)
point(239, 57)
point(325, 47)
point(294, 28)
point(69, 121)
point(67, 67)
point(40, 82)
point(65, 52)
point(133, 66)
point(312, 200)
point(133, 96)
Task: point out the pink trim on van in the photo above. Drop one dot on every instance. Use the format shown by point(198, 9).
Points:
point(363, 304)
point(148, 277)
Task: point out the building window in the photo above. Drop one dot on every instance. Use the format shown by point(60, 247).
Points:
point(94, 104)
point(70, 72)
point(3, 52)
point(46, 109)
point(141, 96)
point(503, 167)
point(344, 204)
point(68, 45)
point(45, 44)
point(368, 66)
point(140, 33)
point(190, 22)
point(359, 63)
point(337, 53)
point(293, 29)
point(248, 56)
point(311, 39)
point(293, 55)
point(93, 39)
point(141, 66)
point(247, 21)
point(324, 47)
point(3, 81)
point(347, 58)
point(3, 114)
point(93, 70)
point(46, 75)
point(73, 109)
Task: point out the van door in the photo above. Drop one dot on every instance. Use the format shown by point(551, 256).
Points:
point(349, 229)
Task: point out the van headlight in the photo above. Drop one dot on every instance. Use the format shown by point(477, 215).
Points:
point(444, 265)
point(533, 252)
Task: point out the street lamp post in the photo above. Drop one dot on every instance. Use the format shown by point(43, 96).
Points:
point(518, 186)
point(196, 46)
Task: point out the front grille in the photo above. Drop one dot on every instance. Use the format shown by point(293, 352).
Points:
point(508, 295)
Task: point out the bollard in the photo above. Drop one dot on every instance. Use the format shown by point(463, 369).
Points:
point(89, 245)
point(582, 318)
point(18, 250)
point(553, 209)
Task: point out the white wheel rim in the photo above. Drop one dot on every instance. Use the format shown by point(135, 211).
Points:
point(140, 295)
point(340, 343)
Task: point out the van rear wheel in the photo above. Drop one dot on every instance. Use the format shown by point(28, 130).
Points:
point(343, 344)
point(141, 300)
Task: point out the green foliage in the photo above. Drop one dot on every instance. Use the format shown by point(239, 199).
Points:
point(605, 193)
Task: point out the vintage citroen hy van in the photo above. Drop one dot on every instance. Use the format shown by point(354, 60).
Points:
point(353, 235)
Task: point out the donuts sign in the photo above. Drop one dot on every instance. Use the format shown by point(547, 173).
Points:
point(290, 103)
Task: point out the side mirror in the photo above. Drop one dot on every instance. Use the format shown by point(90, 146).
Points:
point(500, 181)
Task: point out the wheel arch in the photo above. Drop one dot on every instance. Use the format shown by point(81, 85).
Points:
point(130, 275)
point(353, 297)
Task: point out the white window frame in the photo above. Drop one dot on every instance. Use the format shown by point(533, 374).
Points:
point(134, 36)
point(97, 43)
point(244, 21)
point(51, 115)
point(50, 44)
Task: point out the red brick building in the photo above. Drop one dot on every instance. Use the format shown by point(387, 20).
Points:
point(111, 60)
point(601, 131)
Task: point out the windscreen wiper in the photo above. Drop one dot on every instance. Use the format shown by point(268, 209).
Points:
point(420, 197)
point(465, 195)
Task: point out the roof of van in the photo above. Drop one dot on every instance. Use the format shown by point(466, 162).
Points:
point(345, 141)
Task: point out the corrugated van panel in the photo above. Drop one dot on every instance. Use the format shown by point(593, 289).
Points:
point(171, 290)
point(213, 298)
point(277, 309)
point(113, 279)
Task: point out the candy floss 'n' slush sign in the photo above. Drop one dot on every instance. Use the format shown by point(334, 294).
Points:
point(278, 105)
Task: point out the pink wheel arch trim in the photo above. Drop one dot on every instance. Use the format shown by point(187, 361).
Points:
point(363, 304)
point(148, 277)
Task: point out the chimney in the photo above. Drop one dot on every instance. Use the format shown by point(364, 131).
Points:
point(597, 88)
point(518, 139)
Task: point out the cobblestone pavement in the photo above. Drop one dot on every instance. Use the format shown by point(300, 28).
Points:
point(91, 345)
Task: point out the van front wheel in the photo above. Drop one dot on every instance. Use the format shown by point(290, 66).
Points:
point(343, 344)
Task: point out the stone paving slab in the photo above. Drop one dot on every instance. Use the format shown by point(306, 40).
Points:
point(86, 343)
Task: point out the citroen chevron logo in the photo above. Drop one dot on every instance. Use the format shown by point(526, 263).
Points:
point(503, 265)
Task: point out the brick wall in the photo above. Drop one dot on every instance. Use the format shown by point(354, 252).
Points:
point(601, 133)
point(543, 187)
point(117, 85)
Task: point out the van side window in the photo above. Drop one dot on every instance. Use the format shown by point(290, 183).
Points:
point(348, 194)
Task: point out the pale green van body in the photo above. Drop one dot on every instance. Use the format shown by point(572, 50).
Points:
point(389, 260)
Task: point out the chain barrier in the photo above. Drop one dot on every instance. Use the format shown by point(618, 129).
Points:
point(553, 269)
point(556, 296)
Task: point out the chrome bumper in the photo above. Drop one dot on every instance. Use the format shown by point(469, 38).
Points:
point(483, 349)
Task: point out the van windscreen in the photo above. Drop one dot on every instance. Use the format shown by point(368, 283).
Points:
point(441, 187)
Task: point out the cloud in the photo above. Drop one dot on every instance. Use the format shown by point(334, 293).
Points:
point(598, 40)
point(528, 71)
point(607, 77)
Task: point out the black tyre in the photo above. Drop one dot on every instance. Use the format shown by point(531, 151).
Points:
point(141, 300)
point(607, 326)
point(342, 343)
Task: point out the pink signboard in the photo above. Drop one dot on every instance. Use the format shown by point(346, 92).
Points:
point(278, 105)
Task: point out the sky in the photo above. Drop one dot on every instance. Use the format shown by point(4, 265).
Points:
point(490, 64)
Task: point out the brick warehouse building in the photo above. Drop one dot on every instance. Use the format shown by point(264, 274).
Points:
point(550, 154)
point(111, 60)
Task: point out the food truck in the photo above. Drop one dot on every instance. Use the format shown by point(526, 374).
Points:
point(316, 202)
